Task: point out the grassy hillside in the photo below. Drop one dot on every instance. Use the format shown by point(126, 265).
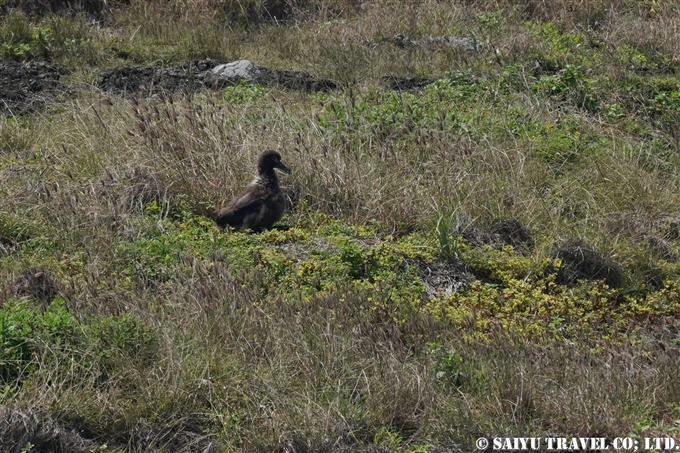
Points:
point(484, 228)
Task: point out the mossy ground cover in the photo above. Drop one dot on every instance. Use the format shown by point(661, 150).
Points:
point(391, 313)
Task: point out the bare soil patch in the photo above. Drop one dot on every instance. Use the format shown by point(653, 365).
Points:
point(580, 261)
point(195, 75)
point(406, 83)
point(506, 232)
point(36, 284)
point(153, 80)
point(444, 277)
point(25, 87)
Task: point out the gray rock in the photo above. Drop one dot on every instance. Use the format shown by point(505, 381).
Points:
point(232, 73)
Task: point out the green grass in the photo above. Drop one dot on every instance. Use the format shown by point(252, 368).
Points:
point(129, 317)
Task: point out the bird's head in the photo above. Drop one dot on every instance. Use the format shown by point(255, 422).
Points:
point(269, 160)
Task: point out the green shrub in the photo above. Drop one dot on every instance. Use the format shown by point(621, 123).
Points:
point(570, 85)
point(554, 50)
point(448, 364)
point(26, 330)
point(244, 93)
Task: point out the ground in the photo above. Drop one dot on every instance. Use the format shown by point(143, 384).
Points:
point(482, 238)
point(28, 87)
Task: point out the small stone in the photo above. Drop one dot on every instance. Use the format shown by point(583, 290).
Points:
point(234, 72)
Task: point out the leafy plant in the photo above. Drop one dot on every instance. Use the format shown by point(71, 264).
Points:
point(555, 49)
point(23, 332)
point(448, 365)
point(244, 92)
point(387, 438)
point(570, 85)
point(21, 41)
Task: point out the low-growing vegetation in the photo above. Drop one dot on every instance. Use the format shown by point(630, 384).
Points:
point(482, 236)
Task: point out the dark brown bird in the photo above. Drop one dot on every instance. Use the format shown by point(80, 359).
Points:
point(262, 203)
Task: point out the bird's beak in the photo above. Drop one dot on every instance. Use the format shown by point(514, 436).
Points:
point(283, 167)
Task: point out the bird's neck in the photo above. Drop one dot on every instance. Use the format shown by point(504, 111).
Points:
point(267, 178)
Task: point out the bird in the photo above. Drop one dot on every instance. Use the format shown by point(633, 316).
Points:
point(262, 203)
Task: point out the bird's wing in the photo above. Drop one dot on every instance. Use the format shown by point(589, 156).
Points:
point(238, 210)
point(245, 204)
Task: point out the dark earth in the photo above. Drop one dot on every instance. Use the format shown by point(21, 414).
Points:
point(405, 83)
point(26, 87)
point(581, 261)
point(195, 75)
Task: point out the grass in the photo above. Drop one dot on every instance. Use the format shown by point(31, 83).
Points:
point(130, 319)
